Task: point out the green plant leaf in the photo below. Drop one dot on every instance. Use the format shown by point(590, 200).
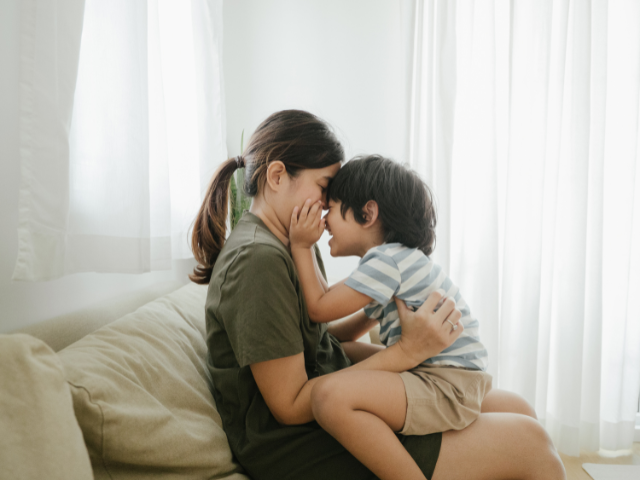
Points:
point(239, 201)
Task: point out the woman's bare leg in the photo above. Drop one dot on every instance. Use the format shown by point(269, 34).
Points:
point(499, 446)
point(506, 402)
point(362, 410)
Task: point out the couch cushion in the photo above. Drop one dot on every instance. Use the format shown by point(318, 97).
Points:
point(40, 437)
point(62, 331)
point(141, 394)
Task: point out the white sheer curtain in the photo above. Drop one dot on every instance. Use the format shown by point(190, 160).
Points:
point(525, 120)
point(122, 126)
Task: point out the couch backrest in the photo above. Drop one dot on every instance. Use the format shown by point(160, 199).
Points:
point(64, 330)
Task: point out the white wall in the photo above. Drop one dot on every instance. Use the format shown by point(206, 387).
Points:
point(341, 60)
point(22, 304)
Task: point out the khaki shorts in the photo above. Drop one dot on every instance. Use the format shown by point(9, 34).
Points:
point(441, 398)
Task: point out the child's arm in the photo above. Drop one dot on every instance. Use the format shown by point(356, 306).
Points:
point(323, 306)
point(321, 279)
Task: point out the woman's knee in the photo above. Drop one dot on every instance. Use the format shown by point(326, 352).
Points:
point(504, 445)
point(539, 449)
point(535, 433)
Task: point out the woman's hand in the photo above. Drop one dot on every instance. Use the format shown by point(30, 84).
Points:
point(427, 332)
point(307, 227)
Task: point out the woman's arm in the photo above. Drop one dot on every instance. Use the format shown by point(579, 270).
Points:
point(350, 329)
point(359, 351)
point(425, 333)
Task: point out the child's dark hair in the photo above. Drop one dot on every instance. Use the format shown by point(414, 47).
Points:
point(405, 203)
point(298, 139)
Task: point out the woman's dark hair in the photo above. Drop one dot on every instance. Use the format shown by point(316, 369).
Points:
point(298, 139)
point(405, 203)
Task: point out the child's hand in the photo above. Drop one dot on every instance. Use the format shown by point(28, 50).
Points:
point(307, 227)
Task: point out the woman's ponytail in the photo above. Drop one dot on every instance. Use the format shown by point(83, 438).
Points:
point(210, 225)
point(298, 139)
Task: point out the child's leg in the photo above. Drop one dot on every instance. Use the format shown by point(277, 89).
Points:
point(362, 410)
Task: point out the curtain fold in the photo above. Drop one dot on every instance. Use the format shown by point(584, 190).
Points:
point(433, 93)
point(50, 47)
point(542, 197)
point(145, 132)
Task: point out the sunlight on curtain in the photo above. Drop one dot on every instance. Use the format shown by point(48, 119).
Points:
point(529, 135)
point(49, 48)
point(146, 134)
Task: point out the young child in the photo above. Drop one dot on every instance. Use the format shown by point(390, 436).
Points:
point(383, 212)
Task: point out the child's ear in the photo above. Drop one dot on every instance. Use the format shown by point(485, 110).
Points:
point(370, 213)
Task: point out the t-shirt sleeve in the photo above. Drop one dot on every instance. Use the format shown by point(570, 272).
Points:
point(259, 306)
point(377, 276)
point(374, 310)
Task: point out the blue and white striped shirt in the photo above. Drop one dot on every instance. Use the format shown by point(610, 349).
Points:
point(393, 269)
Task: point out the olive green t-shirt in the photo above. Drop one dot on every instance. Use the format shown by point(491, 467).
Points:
point(256, 311)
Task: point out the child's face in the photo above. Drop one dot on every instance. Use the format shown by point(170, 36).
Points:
point(345, 233)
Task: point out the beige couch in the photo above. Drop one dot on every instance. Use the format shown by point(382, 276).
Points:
point(120, 391)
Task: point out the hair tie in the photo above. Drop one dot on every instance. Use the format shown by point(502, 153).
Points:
point(240, 161)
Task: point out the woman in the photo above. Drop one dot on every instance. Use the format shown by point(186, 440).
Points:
point(265, 355)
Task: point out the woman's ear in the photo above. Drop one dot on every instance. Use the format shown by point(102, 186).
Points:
point(276, 174)
point(370, 213)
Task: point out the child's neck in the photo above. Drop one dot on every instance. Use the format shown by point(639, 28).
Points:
point(370, 239)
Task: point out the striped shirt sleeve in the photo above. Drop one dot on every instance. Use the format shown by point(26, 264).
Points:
point(377, 276)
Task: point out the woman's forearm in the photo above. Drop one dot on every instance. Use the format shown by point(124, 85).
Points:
point(358, 351)
point(391, 359)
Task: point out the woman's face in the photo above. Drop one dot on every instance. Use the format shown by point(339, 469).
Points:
point(309, 184)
